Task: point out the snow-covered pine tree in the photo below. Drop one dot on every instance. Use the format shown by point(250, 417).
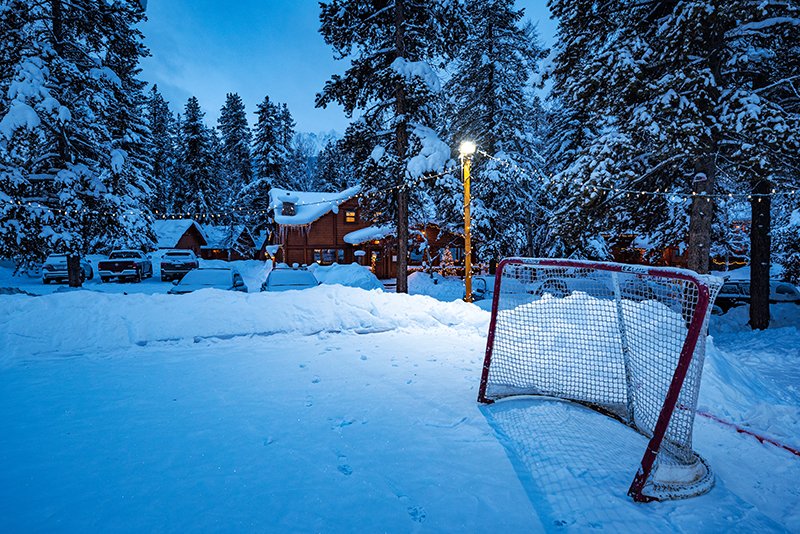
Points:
point(130, 181)
point(673, 97)
point(235, 135)
point(196, 187)
point(73, 157)
point(271, 142)
point(163, 130)
point(235, 164)
point(302, 159)
point(334, 168)
point(270, 154)
point(491, 104)
point(392, 46)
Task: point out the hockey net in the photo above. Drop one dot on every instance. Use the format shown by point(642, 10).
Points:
point(626, 340)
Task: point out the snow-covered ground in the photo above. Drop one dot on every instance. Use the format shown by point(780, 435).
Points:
point(340, 409)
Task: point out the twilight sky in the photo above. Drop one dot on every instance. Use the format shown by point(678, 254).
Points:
point(208, 48)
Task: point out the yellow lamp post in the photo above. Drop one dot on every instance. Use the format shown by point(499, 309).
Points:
point(466, 150)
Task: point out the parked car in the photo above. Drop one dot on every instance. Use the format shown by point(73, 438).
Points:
point(737, 293)
point(54, 269)
point(125, 265)
point(285, 279)
point(176, 263)
point(204, 278)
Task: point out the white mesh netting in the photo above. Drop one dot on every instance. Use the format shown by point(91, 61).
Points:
point(610, 336)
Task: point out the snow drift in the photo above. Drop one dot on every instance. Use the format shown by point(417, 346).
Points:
point(88, 321)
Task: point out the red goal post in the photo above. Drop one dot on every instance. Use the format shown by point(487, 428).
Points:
point(626, 340)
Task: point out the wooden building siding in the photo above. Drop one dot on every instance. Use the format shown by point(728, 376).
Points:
point(192, 240)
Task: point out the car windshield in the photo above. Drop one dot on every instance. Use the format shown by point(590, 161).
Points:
point(123, 255)
point(56, 257)
point(291, 278)
point(207, 278)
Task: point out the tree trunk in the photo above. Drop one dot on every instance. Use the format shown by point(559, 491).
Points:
point(74, 270)
point(401, 144)
point(701, 216)
point(760, 256)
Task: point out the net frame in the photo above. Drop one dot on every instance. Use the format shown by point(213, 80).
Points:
point(645, 487)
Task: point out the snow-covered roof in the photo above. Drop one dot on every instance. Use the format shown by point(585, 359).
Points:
point(260, 238)
point(368, 234)
point(221, 236)
point(309, 206)
point(170, 231)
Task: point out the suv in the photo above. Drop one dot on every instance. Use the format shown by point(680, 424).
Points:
point(737, 292)
point(54, 268)
point(176, 263)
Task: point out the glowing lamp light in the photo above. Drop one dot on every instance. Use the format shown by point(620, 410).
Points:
point(467, 148)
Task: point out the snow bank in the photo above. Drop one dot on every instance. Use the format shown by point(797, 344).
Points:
point(446, 289)
point(751, 376)
point(352, 275)
point(89, 322)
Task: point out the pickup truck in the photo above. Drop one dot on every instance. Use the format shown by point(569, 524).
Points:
point(176, 263)
point(125, 265)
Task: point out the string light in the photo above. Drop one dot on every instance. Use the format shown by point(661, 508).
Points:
point(627, 192)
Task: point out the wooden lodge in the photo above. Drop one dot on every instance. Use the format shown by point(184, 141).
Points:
point(229, 243)
point(329, 228)
point(180, 233)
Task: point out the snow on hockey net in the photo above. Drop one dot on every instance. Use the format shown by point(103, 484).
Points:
point(626, 340)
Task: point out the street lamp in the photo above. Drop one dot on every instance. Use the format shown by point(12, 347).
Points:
point(466, 150)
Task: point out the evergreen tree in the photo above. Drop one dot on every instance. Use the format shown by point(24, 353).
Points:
point(685, 97)
point(302, 161)
point(235, 135)
point(163, 129)
point(196, 188)
point(271, 142)
point(392, 47)
point(492, 105)
point(74, 148)
point(334, 169)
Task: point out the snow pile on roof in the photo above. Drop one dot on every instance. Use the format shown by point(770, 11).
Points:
point(169, 232)
point(28, 328)
point(309, 206)
point(368, 234)
point(222, 236)
point(352, 275)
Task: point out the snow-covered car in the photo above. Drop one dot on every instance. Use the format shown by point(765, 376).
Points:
point(209, 278)
point(176, 263)
point(125, 265)
point(737, 293)
point(285, 279)
point(54, 269)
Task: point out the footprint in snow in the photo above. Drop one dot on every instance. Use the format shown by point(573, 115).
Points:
point(363, 358)
point(343, 467)
point(315, 380)
point(417, 513)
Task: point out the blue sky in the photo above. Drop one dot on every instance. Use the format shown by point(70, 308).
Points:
point(208, 48)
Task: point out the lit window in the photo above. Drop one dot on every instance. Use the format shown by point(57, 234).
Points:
point(326, 256)
point(350, 216)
